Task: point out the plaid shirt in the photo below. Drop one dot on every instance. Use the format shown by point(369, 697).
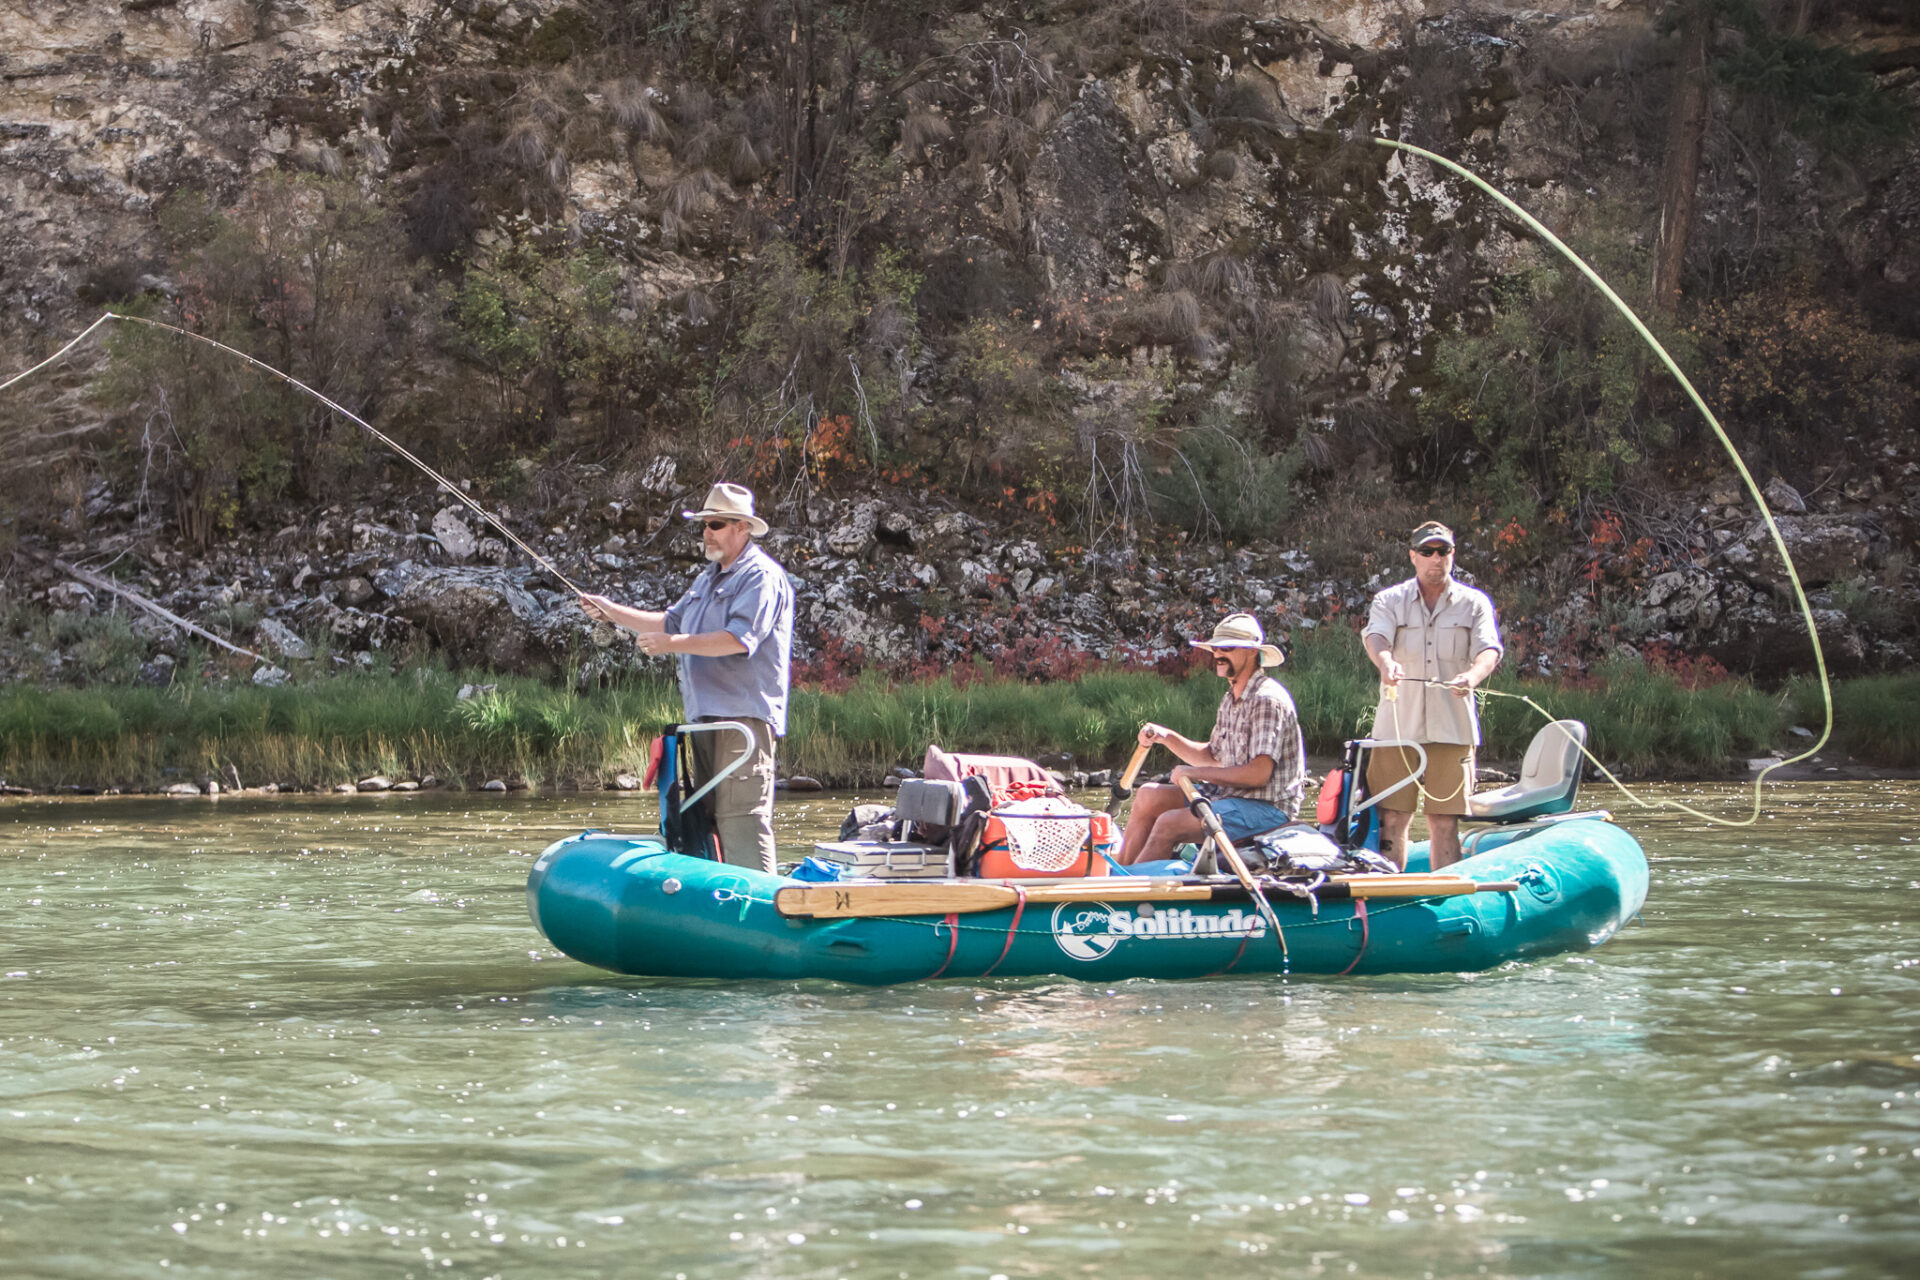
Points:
point(1261, 722)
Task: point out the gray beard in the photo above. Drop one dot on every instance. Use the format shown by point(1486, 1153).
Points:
point(711, 554)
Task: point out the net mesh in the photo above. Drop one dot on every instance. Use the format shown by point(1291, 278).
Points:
point(1045, 835)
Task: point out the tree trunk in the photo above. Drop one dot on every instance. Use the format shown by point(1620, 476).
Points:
point(1686, 132)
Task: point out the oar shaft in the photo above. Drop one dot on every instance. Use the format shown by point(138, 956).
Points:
point(931, 898)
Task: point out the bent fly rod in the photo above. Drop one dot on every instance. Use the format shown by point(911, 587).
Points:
point(459, 495)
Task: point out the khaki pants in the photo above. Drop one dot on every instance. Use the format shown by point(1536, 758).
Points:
point(743, 803)
point(1444, 788)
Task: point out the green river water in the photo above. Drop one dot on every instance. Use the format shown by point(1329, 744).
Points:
point(319, 1038)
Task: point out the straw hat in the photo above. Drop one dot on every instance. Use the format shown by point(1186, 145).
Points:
point(1242, 631)
point(730, 502)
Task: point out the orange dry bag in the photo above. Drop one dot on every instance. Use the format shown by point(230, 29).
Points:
point(1044, 838)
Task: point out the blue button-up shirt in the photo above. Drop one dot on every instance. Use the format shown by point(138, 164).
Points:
point(752, 602)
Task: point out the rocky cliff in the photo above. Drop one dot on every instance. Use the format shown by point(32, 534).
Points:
point(1149, 255)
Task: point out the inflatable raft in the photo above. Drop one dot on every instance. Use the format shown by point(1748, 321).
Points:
point(1536, 888)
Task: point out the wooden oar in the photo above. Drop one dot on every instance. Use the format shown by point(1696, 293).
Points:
point(1124, 787)
point(1218, 834)
point(944, 897)
point(939, 897)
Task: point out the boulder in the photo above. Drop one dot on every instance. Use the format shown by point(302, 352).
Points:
point(878, 638)
point(626, 782)
point(181, 789)
point(1784, 498)
point(1683, 600)
point(1769, 642)
point(1824, 549)
point(854, 537)
point(271, 677)
point(375, 783)
point(277, 636)
point(661, 475)
point(479, 615)
point(970, 577)
point(494, 784)
point(454, 534)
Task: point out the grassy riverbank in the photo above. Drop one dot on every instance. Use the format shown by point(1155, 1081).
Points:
point(411, 723)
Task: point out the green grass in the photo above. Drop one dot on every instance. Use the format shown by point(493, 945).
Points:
point(1639, 720)
point(1876, 718)
point(343, 727)
point(329, 731)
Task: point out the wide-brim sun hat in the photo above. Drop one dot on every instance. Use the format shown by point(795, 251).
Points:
point(1242, 631)
point(730, 502)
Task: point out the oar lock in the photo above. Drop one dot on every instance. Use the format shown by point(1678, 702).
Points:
point(1539, 881)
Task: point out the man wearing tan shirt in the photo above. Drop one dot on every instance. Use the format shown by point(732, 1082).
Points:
point(1444, 635)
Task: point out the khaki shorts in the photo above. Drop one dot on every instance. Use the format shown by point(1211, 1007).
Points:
point(1447, 782)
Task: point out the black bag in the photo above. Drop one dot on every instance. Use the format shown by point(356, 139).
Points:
point(1302, 850)
point(687, 829)
point(864, 816)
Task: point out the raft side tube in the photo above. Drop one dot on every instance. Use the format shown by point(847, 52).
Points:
point(627, 904)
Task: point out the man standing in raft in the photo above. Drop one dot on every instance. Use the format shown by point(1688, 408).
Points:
point(733, 632)
point(1444, 633)
point(1252, 768)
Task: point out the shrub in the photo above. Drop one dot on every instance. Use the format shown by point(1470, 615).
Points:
point(309, 277)
point(1797, 377)
point(812, 349)
point(1549, 399)
point(557, 333)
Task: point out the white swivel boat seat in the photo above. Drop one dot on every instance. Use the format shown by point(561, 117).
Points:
point(1549, 778)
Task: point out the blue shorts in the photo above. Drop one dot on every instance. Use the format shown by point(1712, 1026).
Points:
point(1243, 818)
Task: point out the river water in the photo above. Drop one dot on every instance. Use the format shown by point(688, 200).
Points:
point(318, 1037)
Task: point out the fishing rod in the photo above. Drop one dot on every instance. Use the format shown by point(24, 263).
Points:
point(459, 495)
point(1746, 477)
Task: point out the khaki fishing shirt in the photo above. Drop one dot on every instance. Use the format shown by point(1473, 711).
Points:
point(1432, 644)
point(1260, 722)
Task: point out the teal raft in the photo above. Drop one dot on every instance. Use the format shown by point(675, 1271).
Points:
point(627, 903)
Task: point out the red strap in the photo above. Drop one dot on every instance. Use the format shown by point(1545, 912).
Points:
point(1019, 909)
point(953, 941)
point(1360, 914)
point(1244, 937)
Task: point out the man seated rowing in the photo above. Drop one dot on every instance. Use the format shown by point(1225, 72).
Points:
point(1252, 768)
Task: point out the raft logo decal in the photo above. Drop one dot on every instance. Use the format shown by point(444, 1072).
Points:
point(1091, 930)
point(1084, 930)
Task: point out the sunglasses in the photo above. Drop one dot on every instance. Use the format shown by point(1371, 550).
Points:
point(1437, 549)
point(717, 525)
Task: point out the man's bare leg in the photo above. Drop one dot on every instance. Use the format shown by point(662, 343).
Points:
point(1394, 824)
point(1173, 829)
point(1443, 830)
point(1149, 802)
